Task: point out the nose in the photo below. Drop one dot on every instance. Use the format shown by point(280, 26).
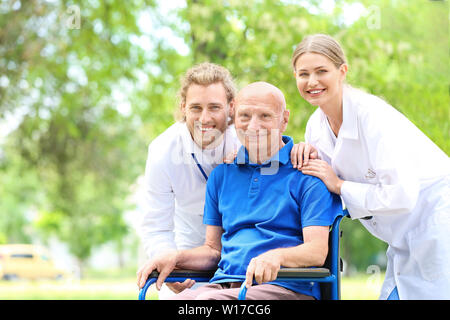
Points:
point(205, 117)
point(312, 81)
point(254, 124)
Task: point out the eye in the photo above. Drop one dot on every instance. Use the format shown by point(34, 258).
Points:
point(322, 71)
point(302, 74)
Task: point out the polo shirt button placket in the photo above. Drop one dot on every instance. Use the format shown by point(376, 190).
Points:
point(255, 181)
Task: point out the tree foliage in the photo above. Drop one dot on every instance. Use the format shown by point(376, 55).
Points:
point(75, 133)
point(91, 91)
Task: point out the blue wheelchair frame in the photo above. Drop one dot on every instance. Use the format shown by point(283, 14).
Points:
point(328, 276)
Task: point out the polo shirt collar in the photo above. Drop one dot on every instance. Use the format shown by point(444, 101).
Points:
point(283, 155)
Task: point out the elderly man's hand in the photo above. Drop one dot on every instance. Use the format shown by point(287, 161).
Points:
point(263, 268)
point(164, 264)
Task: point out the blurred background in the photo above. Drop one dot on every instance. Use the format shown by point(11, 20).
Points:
point(86, 85)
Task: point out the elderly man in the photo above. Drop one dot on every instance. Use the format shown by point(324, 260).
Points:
point(258, 219)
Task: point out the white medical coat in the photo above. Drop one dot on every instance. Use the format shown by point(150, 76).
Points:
point(396, 174)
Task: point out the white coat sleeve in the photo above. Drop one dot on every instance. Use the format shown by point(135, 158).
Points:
point(395, 187)
point(158, 206)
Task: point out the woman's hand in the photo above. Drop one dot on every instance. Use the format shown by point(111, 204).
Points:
point(301, 153)
point(322, 170)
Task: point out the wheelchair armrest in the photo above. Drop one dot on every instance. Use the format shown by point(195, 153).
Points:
point(292, 274)
point(282, 273)
point(303, 273)
point(184, 273)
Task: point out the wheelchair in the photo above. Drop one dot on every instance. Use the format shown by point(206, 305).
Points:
point(328, 276)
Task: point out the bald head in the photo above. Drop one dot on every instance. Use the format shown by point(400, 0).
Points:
point(261, 93)
point(260, 119)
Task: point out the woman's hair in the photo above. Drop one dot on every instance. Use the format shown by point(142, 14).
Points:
point(321, 44)
point(206, 74)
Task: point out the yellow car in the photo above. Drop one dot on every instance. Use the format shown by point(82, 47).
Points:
point(26, 261)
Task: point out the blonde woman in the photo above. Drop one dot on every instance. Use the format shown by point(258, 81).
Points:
point(389, 174)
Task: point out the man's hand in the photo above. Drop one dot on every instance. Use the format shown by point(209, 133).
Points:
point(263, 268)
point(229, 158)
point(164, 264)
point(301, 153)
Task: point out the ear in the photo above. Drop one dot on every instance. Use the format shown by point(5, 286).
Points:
point(183, 108)
point(230, 112)
point(285, 120)
point(343, 70)
point(231, 109)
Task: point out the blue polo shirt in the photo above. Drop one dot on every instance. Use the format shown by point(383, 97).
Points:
point(262, 207)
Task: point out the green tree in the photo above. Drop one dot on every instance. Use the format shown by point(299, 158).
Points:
point(19, 199)
point(69, 65)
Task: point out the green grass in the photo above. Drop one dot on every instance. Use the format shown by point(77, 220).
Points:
point(104, 289)
point(360, 287)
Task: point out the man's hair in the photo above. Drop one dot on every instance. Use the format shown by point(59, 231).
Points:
point(205, 74)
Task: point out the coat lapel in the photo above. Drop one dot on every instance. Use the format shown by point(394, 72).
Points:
point(323, 140)
point(348, 130)
point(349, 127)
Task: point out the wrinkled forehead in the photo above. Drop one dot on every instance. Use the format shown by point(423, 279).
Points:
point(261, 97)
